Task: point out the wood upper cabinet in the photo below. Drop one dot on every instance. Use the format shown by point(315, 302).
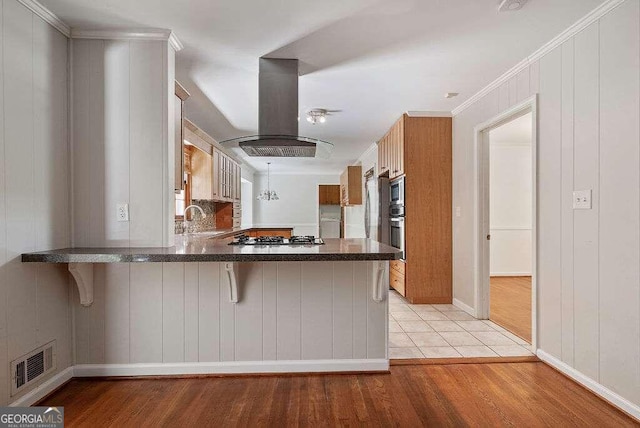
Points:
point(180, 96)
point(351, 186)
point(391, 151)
point(329, 194)
point(201, 173)
point(223, 175)
point(226, 177)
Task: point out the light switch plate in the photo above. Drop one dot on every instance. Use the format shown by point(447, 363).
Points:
point(122, 212)
point(582, 199)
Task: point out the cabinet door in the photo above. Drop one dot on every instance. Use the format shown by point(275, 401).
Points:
point(201, 169)
point(344, 197)
point(238, 183)
point(223, 176)
point(178, 145)
point(216, 174)
point(234, 181)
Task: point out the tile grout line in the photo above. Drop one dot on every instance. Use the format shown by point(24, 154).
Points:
point(464, 330)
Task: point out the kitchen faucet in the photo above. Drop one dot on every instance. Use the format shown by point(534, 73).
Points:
point(187, 224)
point(197, 207)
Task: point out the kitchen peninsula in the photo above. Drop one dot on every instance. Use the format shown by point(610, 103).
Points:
point(210, 307)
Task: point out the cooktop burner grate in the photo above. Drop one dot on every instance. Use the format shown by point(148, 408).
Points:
point(276, 240)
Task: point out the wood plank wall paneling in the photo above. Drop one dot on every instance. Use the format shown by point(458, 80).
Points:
point(180, 312)
point(620, 200)
point(121, 143)
point(549, 202)
point(116, 138)
point(566, 256)
point(585, 223)
point(34, 188)
point(589, 279)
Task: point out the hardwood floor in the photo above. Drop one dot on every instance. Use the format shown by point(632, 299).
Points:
point(511, 304)
point(499, 394)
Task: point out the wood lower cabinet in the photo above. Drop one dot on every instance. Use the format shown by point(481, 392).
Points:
point(420, 148)
point(329, 194)
point(285, 233)
point(396, 276)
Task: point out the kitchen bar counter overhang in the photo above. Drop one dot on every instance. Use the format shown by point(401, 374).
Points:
point(195, 249)
point(205, 307)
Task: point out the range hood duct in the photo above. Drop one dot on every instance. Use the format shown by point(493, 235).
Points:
point(278, 114)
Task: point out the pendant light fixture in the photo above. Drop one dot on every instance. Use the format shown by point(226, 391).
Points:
point(268, 194)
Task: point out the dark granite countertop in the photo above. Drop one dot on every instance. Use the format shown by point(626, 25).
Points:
point(210, 248)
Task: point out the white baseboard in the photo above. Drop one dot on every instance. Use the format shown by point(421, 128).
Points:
point(510, 274)
point(231, 367)
point(592, 385)
point(44, 389)
point(468, 309)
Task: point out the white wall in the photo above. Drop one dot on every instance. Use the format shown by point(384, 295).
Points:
point(588, 261)
point(34, 188)
point(247, 199)
point(298, 204)
point(180, 312)
point(123, 142)
point(354, 216)
point(510, 199)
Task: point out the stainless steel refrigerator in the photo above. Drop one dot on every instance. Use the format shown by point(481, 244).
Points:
point(376, 210)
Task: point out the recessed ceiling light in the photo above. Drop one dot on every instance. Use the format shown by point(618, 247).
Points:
point(511, 5)
point(451, 94)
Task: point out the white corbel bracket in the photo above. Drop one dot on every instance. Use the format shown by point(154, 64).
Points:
point(233, 282)
point(83, 275)
point(378, 279)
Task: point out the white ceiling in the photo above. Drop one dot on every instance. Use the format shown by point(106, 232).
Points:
point(371, 59)
point(514, 133)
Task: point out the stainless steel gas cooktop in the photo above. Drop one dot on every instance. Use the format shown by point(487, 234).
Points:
point(276, 240)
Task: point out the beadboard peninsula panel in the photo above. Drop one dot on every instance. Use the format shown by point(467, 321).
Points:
point(286, 311)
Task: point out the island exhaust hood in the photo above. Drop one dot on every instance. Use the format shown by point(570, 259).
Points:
point(278, 115)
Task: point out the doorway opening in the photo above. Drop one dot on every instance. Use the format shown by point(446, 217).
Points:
point(506, 221)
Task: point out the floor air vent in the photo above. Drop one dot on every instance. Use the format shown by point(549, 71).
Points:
point(32, 366)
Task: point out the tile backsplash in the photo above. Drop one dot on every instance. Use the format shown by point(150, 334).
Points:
point(197, 223)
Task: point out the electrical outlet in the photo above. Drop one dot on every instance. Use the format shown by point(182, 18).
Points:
point(582, 199)
point(122, 212)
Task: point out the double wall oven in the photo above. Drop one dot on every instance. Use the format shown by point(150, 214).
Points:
point(396, 215)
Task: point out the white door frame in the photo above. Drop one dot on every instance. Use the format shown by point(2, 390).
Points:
point(481, 209)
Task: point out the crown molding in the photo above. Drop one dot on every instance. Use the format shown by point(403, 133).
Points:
point(48, 16)
point(580, 25)
point(421, 113)
point(174, 42)
point(370, 149)
point(129, 34)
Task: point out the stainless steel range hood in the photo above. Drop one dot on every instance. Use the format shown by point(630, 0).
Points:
point(278, 115)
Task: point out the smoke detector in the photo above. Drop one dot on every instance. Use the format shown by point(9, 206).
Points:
point(511, 5)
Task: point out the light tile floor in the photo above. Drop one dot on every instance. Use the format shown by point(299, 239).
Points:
point(446, 331)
